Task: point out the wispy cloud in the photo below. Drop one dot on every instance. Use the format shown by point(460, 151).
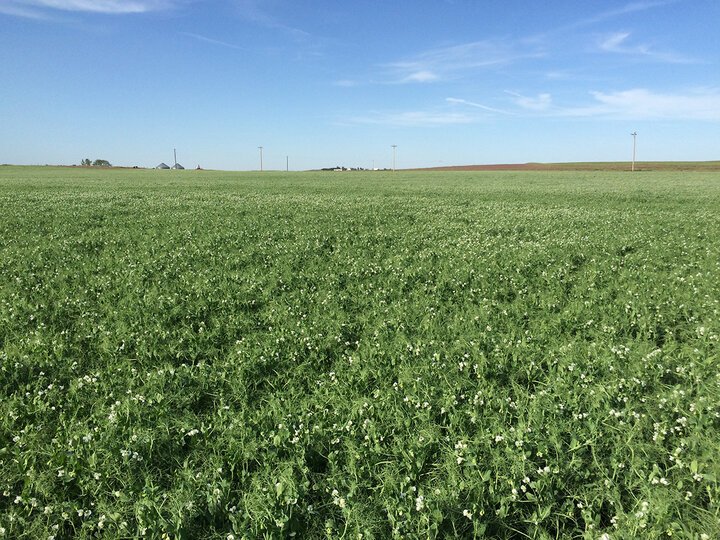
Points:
point(541, 102)
point(345, 83)
point(476, 105)
point(421, 76)
point(34, 8)
point(414, 118)
point(619, 43)
point(212, 41)
point(631, 7)
point(635, 104)
point(638, 103)
point(614, 43)
point(456, 60)
point(644, 104)
point(455, 111)
point(18, 10)
point(256, 12)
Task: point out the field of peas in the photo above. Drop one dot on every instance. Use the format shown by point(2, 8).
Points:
point(196, 354)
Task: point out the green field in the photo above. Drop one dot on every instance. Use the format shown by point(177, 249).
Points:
point(192, 354)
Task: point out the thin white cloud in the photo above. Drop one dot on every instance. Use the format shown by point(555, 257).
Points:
point(256, 12)
point(414, 119)
point(635, 104)
point(212, 41)
point(639, 104)
point(438, 116)
point(568, 75)
point(421, 76)
point(541, 102)
point(476, 105)
point(614, 43)
point(644, 104)
point(619, 43)
point(632, 7)
point(17, 10)
point(454, 61)
point(24, 7)
point(558, 75)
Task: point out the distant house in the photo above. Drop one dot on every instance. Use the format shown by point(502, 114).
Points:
point(162, 166)
point(177, 166)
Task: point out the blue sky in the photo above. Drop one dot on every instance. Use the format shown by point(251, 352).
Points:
point(339, 82)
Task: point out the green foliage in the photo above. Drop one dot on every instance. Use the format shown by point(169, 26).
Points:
point(86, 162)
point(377, 355)
point(101, 163)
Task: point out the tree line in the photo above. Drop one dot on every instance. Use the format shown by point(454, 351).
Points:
point(97, 163)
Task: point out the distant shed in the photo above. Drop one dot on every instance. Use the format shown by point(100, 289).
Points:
point(162, 166)
point(177, 166)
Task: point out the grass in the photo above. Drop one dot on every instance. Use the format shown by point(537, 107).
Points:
point(191, 354)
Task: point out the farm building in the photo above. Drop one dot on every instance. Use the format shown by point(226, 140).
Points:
point(177, 166)
point(162, 166)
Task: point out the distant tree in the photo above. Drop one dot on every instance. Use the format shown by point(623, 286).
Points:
point(86, 162)
point(101, 163)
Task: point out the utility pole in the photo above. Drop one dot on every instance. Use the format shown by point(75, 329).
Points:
point(287, 163)
point(175, 154)
point(260, 147)
point(634, 134)
point(394, 147)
